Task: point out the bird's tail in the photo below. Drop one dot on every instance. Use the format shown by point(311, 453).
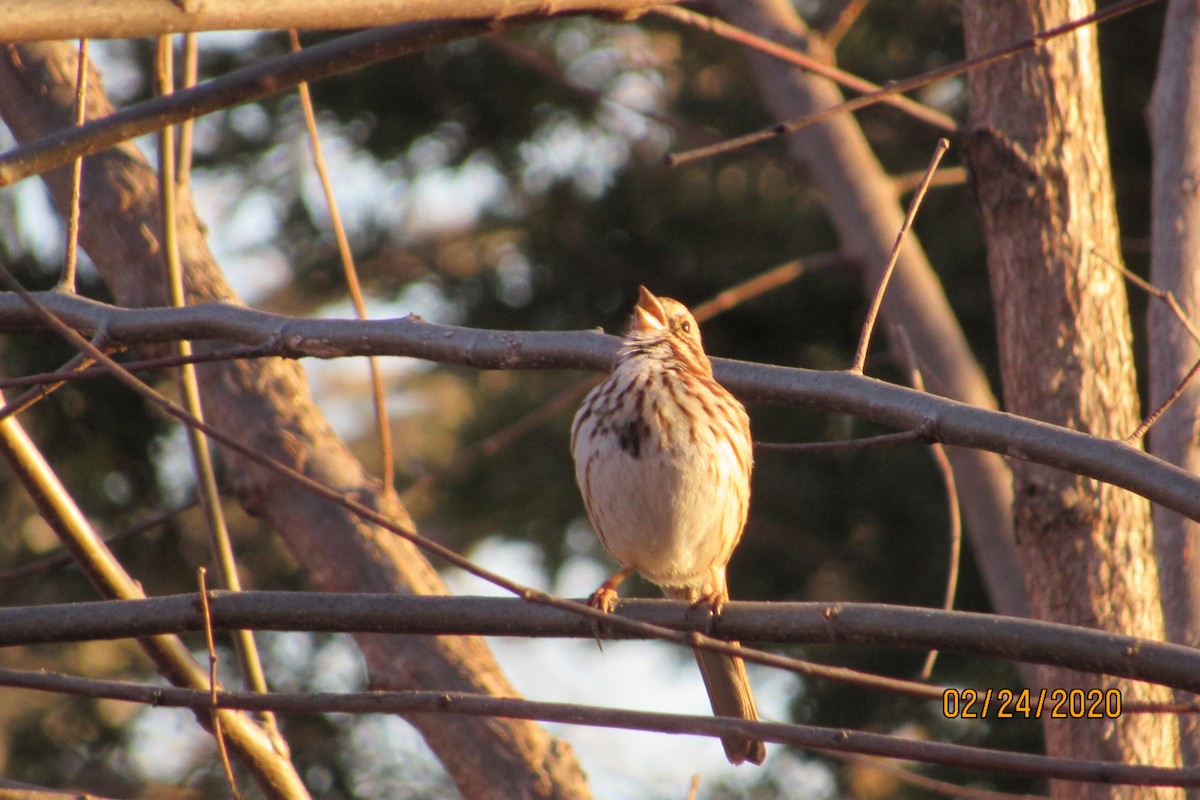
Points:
point(729, 692)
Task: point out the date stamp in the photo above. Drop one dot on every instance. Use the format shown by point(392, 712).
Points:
point(1026, 704)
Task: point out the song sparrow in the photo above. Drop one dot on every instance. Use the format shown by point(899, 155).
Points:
point(663, 456)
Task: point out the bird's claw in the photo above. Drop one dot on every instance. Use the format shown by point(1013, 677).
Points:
point(604, 599)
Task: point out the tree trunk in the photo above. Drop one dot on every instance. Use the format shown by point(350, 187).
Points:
point(1038, 156)
point(865, 210)
point(267, 403)
point(1174, 115)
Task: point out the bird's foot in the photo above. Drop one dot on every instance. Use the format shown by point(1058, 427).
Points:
point(604, 599)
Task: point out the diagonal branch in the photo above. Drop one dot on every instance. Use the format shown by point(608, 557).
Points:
point(275, 774)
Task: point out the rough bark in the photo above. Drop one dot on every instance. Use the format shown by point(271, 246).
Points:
point(1038, 156)
point(267, 402)
point(1174, 116)
point(862, 204)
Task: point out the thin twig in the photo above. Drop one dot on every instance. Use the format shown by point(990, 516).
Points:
point(42, 390)
point(882, 440)
point(189, 389)
point(946, 176)
point(67, 282)
point(1149, 421)
point(67, 375)
point(212, 685)
point(502, 438)
point(906, 85)
point(62, 558)
point(952, 504)
point(383, 425)
point(890, 767)
point(1149, 288)
point(864, 341)
point(845, 19)
point(191, 69)
point(764, 282)
point(695, 787)
point(1167, 297)
point(743, 37)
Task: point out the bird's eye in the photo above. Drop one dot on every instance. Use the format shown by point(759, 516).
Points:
point(685, 326)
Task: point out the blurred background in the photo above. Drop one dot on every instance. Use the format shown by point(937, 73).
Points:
point(517, 182)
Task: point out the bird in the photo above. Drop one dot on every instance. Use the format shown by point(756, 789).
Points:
point(663, 456)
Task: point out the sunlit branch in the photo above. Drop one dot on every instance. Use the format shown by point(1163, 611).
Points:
point(241, 86)
point(66, 283)
point(845, 19)
point(383, 427)
point(906, 85)
point(719, 27)
point(860, 357)
point(120, 19)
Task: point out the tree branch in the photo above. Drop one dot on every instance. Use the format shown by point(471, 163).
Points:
point(986, 635)
point(808, 736)
point(945, 421)
point(119, 19)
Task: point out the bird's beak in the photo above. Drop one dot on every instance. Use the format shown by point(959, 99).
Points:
point(648, 315)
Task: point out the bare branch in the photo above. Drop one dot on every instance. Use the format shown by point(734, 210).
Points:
point(843, 22)
point(62, 558)
point(905, 85)
point(860, 358)
point(67, 282)
point(67, 375)
point(212, 686)
point(882, 440)
point(105, 19)
point(718, 27)
point(383, 428)
point(251, 83)
point(808, 736)
point(275, 775)
point(946, 421)
point(971, 633)
point(765, 282)
point(947, 472)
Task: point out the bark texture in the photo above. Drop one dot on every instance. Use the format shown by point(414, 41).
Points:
point(267, 402)
point(1174, 116)
point(866, 213)
point(1038, 156)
